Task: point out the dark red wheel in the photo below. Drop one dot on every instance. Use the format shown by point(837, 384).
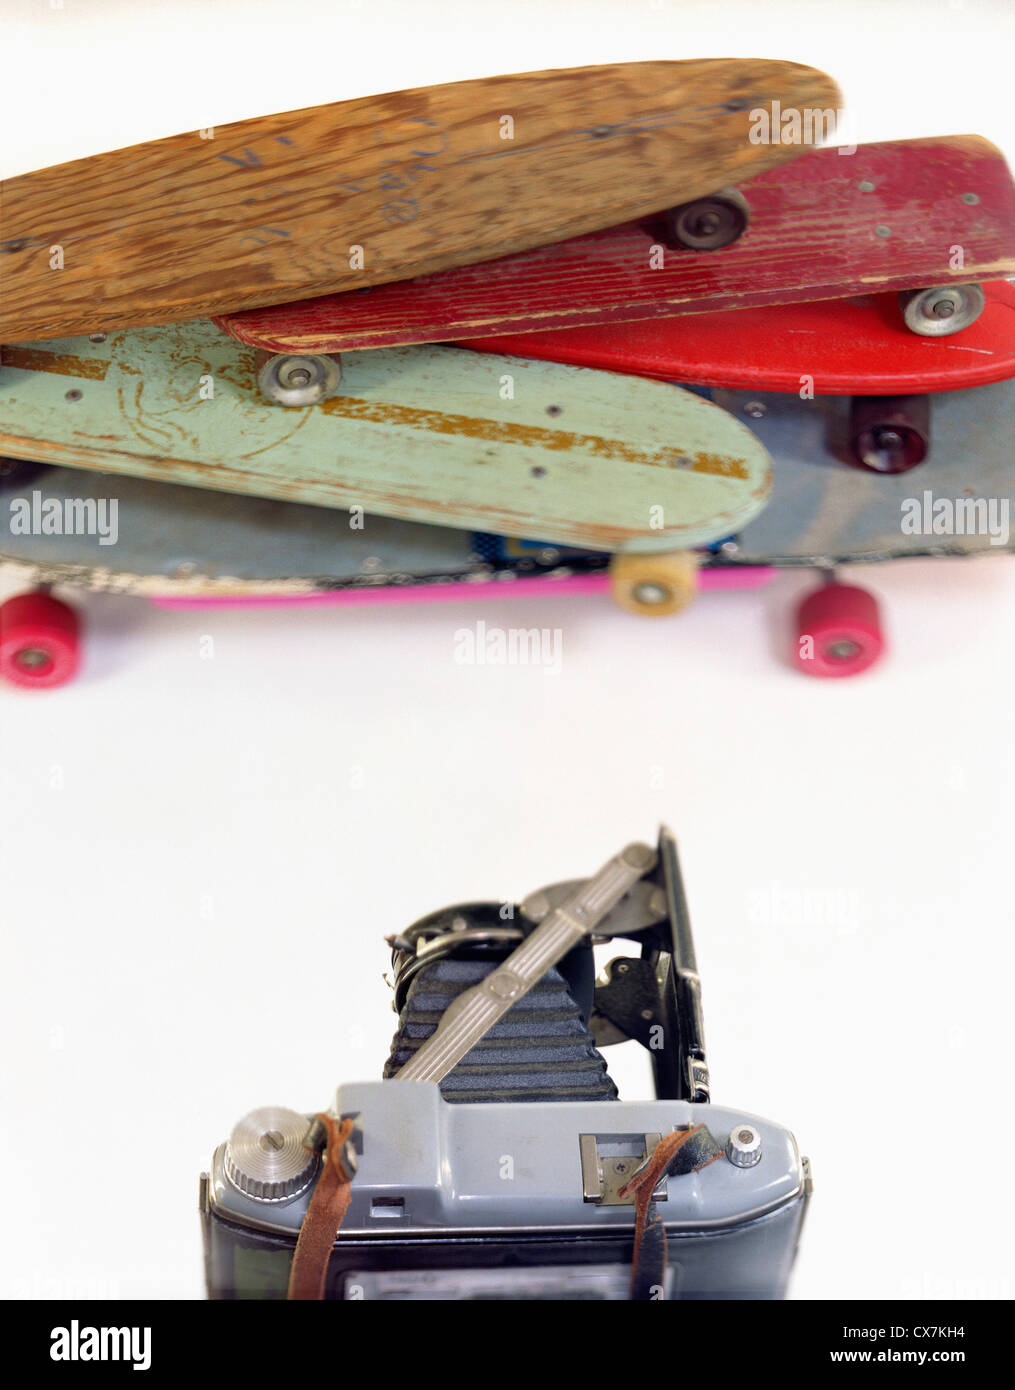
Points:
point(889, 434)
point(838, 631)
point(39, 641)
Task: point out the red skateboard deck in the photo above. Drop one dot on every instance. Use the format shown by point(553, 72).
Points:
point(891, 216)
point(839, 348)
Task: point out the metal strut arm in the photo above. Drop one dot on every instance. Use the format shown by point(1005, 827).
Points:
point(475, 1012)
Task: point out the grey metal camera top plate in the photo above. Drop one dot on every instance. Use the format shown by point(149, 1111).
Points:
point(427, 1166)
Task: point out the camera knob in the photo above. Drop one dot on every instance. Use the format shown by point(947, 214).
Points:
point(265, 1158)
point(743, 1148)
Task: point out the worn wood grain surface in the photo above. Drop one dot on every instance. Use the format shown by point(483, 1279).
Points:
point(890, 216)
point(430, 434)
point(272, 209)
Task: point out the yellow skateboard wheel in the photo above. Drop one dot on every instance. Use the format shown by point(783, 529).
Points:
point(654, 585)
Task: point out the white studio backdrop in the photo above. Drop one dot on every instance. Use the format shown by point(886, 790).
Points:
point(202, 854)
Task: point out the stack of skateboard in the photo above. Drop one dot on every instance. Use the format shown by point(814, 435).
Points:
point(429, 344)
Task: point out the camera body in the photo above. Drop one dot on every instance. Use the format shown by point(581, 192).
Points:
point(506, 1179)
point(512, 1201)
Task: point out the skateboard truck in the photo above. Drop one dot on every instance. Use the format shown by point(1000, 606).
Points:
point(299, 379)
point(707, 224)
point(889, 434)
point(939, 310)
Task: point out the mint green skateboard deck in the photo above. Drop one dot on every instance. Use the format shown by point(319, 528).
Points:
point(432, 434)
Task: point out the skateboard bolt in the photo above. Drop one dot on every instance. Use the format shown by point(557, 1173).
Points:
point(755, 409)
point(707, 223)
point(843, 650)
point(30, 658)
point(298, 376)
point(943, 309)
point(651, 593)
point(888, 439)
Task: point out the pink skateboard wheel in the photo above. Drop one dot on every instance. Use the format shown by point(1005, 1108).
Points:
point(838, 631)
point(39, 641)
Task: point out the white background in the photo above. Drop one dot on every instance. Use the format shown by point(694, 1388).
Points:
point(200, 858)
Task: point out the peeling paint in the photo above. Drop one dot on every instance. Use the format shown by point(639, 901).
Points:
point(504, 432)
point(28, 359)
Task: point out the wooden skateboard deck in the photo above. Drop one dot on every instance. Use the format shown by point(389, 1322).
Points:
point(890, 216)
point(839, 347)
point(431, 434)
point(379, 188)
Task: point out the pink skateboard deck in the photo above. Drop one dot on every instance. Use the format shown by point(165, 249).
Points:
point(465, 590)
point(839, 347)
point(891, 216)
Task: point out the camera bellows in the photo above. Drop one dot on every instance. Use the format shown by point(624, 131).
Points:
point(540, 1050)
